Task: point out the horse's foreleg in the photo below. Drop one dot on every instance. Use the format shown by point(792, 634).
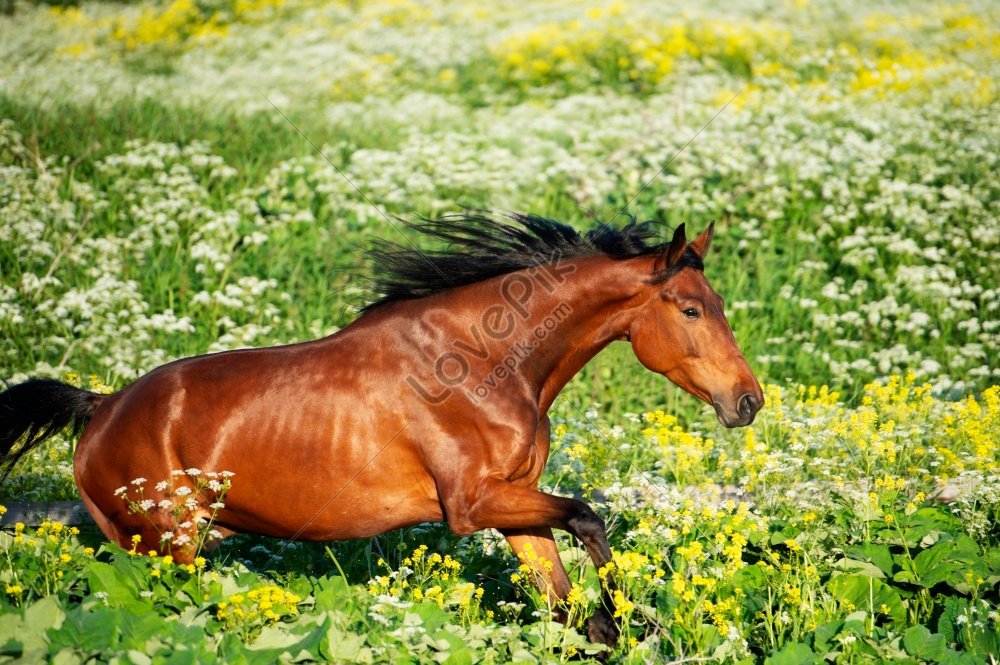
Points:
point(537, 549)
point(498, 504)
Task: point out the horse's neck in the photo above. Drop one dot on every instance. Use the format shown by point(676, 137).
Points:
point(590, 308)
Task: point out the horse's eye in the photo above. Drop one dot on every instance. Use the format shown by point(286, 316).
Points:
point(692, 313)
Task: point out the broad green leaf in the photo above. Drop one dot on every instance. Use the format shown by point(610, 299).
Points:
point(11, 634)
point(946, 625)
point(293, 646)
point(40, 617)
point(62, 657)
point(869, 594)
point(139, 658)
point(276, 636)
point(920, 642)
point(955, 562)
point(982, 640)
point(433, 616)
point(824, 634)
point(932, 565)
point(95, 630)
point(875, 553)
point(847, 566)
point(992, 559)
point(793, 654)
point(343, 646)
point(121, 591)
point(952, 657)
point(519, 654)
point(331, 593)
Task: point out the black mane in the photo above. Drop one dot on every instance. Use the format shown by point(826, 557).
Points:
point(484, 245)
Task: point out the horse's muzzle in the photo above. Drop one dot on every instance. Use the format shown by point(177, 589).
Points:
point(746, 410)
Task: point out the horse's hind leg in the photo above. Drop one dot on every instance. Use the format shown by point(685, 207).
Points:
point(116, 533)
point(150, 530)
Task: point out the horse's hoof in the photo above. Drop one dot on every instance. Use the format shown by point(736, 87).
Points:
point(601, 628)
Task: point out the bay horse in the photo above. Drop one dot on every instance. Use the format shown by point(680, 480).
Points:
point(430, 406)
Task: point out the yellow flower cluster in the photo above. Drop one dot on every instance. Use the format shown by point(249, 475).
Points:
point(898, 431)
point(433, 566)
point(684, 454)
point(258, 607)
point(166, 27)
point(52, 533)
point(432, 577)
point(976, 427)
point(94, 383)
point(531, 561)
point(810, 397)
point(708, 560)
point(619, 45)
point(723, 612)
point(394, 13)
point(177, 24)
point(883, 62)
point(54, 553)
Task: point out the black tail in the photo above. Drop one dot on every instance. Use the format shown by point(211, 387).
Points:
point(32, 411)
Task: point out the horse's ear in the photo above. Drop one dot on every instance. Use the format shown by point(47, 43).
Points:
point(701, 244)
point(672, 254)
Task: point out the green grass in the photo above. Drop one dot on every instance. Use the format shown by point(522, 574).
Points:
point(317, 261)
point(854, 188)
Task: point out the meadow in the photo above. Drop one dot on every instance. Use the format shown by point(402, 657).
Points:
point(182, 177)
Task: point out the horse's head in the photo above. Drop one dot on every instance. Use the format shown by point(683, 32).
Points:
point(680, 331)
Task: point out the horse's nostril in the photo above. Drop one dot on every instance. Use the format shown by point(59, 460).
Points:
point(747, 406)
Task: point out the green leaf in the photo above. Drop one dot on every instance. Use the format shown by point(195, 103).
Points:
point(932, 565)
point(121, 590)
point(280, 639)
point(960, 658)
point(982, 641)
point(956, 563)
point(793, 654)
point(91, 631)
point(433, 616)
point(40, 617)
point(331, 593)
point(869, 594)
point(11, 635)
point(847, 566)
point(824, 634)
point(956, 625)
point(874, 553)
point(946, 625)
point(343, 646)
point(992, 559)
point(920, 642)
point(458, 653)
